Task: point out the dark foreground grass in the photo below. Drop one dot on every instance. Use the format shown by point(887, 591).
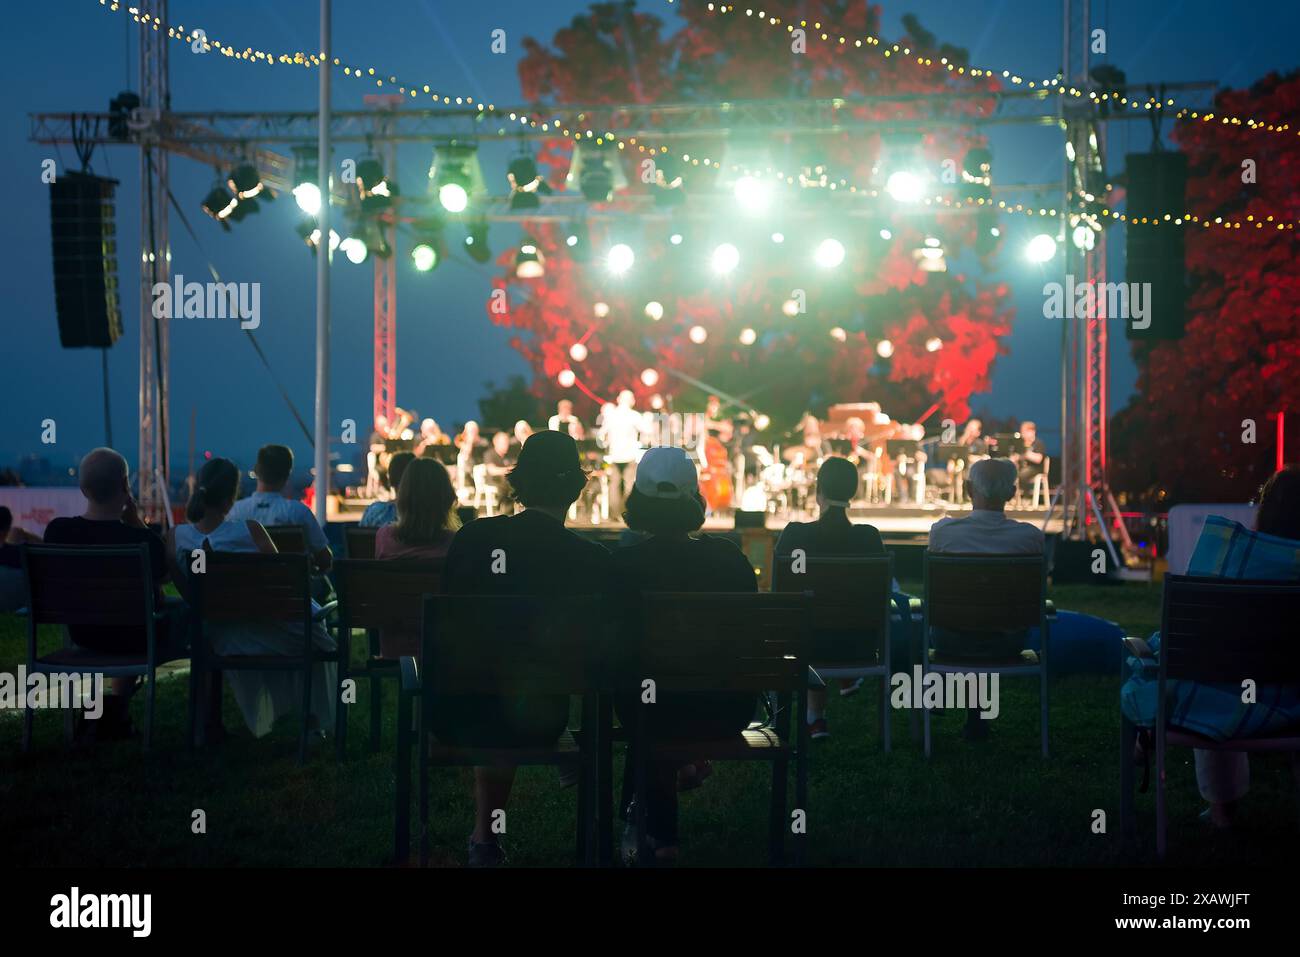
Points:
point(993, 803)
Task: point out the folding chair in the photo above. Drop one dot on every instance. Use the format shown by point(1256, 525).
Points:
point(288, 539)
point(726, 642)
point(507, 646)
point(1215, 630)
point(987, 593)
point(379, 596)
point(100, 586)
point(848, 595)
point(256, 589)
point(359, 542)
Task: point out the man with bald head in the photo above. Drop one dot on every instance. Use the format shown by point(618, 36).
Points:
point(112, 518)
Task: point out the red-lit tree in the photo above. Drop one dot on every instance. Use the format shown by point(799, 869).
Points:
point(1181, 437)
point(943, 328)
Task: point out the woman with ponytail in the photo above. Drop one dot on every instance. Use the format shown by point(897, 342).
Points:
point(263, 696)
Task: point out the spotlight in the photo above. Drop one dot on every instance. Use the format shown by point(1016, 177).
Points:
point(656, 401)
point(529, 261)
point(375, 191)
point(830, 253)
point(778, 238)
point(649, 378)
point(753, 194)
point(566, 378)
point(884, 348)
point(314, 239)
point(933, 344)
point(748, 336)
point(698, 335)
point(655, 310)
point(354, 249)
point(620, 258)
point(905, 186)
point(306, 175)
point(425, 256)
point(526, 184)
point(886, 235)
point(601, 309)
point(725, 258)
point(577, 352)
point(246, 182)
point(761, 422)
point(790, 307)
point(595, 171)
point(675, 239)
point(457, 176)
point(668, 181)
point(219, 204)
point(1041, 248)
point(476, 245)
point(839, 335)
point(1084, 238)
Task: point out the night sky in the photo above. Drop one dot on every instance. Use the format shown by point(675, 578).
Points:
point(69, 55)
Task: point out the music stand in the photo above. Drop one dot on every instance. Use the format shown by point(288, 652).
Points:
point(1007, 444)
point(841, 447)
point(897, 448)
point(953, 453)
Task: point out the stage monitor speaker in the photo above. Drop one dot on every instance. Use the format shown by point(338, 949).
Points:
point(1157, 184)
point(84, 237)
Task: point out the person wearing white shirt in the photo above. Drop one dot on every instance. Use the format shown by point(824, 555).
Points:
point(268, 506)
point(565, 421)
point(986, 531)
point(622, 431)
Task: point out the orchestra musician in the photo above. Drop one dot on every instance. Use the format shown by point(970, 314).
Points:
point(522, 431)
point(565, 421)
point(498, 461)
point(1030, 456)
point(470, 443)
point(620, 432)
point(973, 439)
point(431, 434)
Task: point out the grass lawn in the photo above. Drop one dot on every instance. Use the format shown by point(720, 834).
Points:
point(992, 803)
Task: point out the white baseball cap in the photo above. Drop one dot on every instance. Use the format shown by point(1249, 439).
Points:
point(667, 472)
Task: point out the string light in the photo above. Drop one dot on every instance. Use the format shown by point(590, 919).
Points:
point(575, 132)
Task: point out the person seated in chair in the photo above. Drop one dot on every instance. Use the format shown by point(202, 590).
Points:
point(269, 505)
point(831, 536)
point(1216, 711)
point(112, 517)
point(541, 558)
point(378, 514)
point(665, 503)
point(13, 591)
point(262, 696)
point(985, 531)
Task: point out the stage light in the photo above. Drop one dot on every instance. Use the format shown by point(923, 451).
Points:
point(753, 194)
point(246, 182)
point(994, 232)
point(649, 378)
point(307, 196)
point(219, 204)
point(930, 257)
point(933, 344)
point(595, 171)
point(748, 336)
point(620, 258)
point(375, 191)
point(977, 174)
point(884, 348)
point(476, 244)
point(601, 309)
point(778, 238)
point(656, 401)
point(566, 378)
point(576, 240)
point(830, 253)
point(698, 335)
point(654, 309)
point(790, 307)
point(725, 258)
point(905, 186)
point(1041, 249)
point(1084, 238)
point(886, 235)
point(314, 240)
point(306, 176)
point(577, 352)
point(457, 176)
point(839, 335)
point(425, 256)
point(761, 422)
point(529, 261)
point(570, 240)
point(526, 183)
point(675, 239)
point(354, 249)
